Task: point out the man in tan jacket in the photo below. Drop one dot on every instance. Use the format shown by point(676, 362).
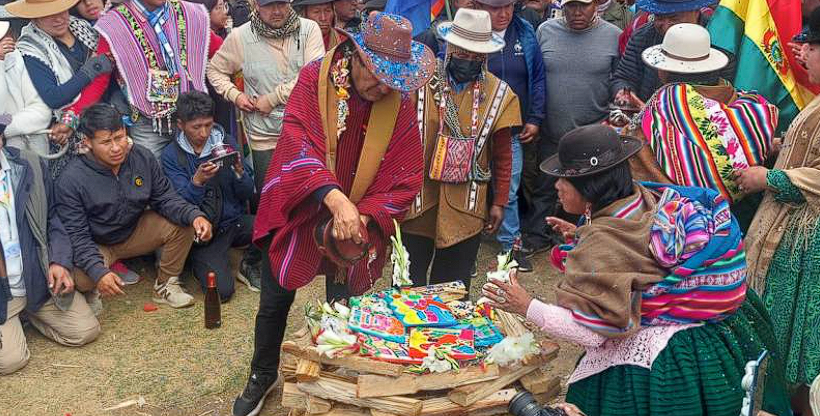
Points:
point(269, 50)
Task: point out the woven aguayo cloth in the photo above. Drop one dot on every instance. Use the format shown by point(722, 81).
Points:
point(697, 374)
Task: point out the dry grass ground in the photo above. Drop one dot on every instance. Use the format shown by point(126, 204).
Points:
point(170, 359)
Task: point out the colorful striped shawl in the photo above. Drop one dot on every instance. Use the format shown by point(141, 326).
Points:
point(699, 142)
point(132, 62)
point(696, 237)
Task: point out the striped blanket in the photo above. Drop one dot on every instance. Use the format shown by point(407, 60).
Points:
point(695, 236)
point(700, 142)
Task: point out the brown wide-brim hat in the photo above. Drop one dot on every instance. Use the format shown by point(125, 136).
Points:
point(33, 9)
point(388, 50)
point(589, 150)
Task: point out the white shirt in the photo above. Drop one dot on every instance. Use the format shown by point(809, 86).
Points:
point(8, 230)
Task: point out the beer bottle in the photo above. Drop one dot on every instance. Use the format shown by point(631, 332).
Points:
point(213, 305)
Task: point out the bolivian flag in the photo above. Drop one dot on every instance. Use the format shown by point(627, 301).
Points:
point(756, 32)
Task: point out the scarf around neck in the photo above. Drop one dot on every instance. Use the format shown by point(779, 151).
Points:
point(38, 44)
point(157, 20)
point(291, 26)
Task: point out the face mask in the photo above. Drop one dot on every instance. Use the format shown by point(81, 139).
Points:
point(463, 70)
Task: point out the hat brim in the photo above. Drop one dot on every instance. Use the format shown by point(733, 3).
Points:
point(552, 166)
point(302, 3)
point(495, 44)
point(404, 76)
point(655, 58)
point(4, 28)
point(26, 10)
point(659, 7)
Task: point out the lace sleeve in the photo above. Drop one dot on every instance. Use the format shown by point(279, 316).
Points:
point(558, 322)
point(786, 192)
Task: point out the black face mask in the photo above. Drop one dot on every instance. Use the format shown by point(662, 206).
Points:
point(464, 70)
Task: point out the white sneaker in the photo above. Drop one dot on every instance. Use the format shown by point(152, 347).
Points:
point(172, 294)
point(94, 301)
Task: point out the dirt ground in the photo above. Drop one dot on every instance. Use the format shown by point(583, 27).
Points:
point(170, 360)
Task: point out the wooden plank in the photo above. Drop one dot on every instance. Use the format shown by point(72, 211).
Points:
point(380, 386)
point(374, 412)
point(296, 412)
point(495, 403)
point(345, 392)
point(550, 395)
point(467, 395)
point(307, 370)
point(353, 362)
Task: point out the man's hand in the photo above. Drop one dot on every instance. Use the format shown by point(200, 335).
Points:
point(204, 173)
point(798, 52)
point(60, 133)
point(59, 279)
point(263, 105)
point(202, 229)
point(346, 218)
point(245, 103)
point(752, 180)
point(6, 46)
point(496, 216)
point(238, 168)
point(625, 97)
point(110, 285)
point(529, 133)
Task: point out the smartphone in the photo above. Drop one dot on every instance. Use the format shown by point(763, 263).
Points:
point(225, 160)
point(753, 384)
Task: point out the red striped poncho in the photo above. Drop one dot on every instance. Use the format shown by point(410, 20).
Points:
point(289, 212)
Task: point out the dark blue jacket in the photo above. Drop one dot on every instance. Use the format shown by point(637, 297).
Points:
point(235, 192)
point(37, 292)
point(98, 207)
point(533, 109)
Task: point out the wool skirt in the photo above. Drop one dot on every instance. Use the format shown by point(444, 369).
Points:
point(698, 373)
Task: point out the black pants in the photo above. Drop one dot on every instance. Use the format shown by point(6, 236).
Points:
point(213, 257)
point(449, 264)
point(272, 317)
point(543, 202)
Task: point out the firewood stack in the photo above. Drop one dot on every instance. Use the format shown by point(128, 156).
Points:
point(355, 385)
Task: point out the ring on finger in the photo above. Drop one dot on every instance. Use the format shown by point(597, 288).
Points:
point(502, 300)
point(501, 292)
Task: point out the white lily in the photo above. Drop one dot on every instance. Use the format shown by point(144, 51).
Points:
point(400, 258)
point(511, 350)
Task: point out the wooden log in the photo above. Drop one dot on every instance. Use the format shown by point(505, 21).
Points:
point(374, 412)
point(317, 405)
point(510, 324)
point(467, 395)
point(353, 362)
point(345, 392)
point(493, 404)
point(538, 382)
point(370, 385)
point(307, 370)
point(296, 412)
point(548, 396)
point(292, 397)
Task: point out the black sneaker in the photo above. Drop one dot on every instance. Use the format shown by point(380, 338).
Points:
point(524, 264)
point(250, 275)
point(250, 402)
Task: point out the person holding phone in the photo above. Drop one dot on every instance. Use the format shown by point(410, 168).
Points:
point(221, 188)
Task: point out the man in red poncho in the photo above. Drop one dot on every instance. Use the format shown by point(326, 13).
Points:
point(350, 150)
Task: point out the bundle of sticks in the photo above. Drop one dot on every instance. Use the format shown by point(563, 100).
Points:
point(355, 385)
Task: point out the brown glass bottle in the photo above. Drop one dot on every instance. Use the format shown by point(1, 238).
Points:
point(213, 305)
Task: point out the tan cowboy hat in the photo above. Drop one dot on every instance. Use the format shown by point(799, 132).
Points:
point(4, 28)
point(471, 30)
point(33, 9)
point(686, 49)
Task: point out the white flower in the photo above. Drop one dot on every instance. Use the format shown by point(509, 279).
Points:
point(512, 349)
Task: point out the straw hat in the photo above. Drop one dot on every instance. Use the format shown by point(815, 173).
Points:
point(686, 49)
point(32, 9)
point(471, 30)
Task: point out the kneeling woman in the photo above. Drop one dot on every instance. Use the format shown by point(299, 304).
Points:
point(654, 290)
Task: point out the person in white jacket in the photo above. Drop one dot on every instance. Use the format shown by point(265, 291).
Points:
point(18, 98)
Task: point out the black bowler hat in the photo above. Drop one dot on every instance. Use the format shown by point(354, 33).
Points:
point(302, 3)
point(813, 35)
point(589, 150)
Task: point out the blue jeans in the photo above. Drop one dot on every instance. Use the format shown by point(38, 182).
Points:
point(511, 226)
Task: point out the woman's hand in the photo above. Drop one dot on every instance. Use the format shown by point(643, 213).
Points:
point(510, 297)
point(752, 180)
point(565, 228)
point(570, 409)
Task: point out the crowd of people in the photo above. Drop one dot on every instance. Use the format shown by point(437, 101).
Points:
point(603, 135)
